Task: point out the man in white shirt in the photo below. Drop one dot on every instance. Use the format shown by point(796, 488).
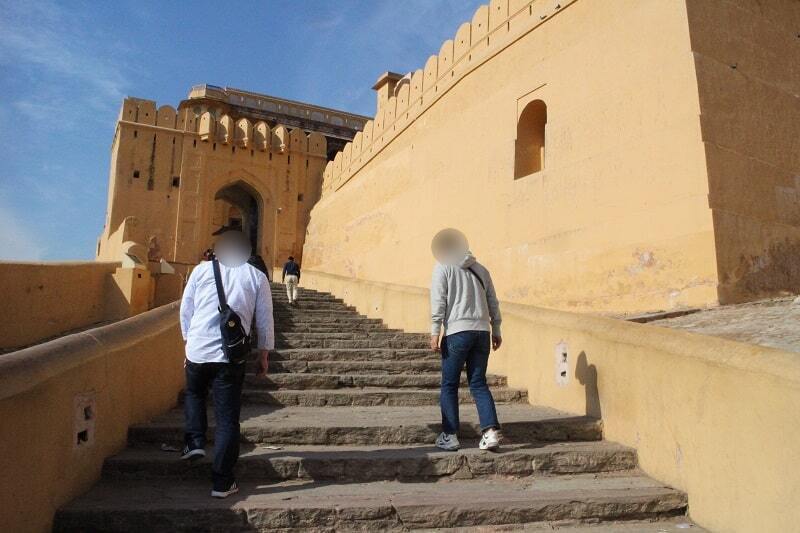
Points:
point(248, 294)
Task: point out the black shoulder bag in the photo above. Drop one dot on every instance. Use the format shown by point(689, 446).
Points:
point(235, 340)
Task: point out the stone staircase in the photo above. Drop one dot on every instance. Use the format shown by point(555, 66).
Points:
point(339, 438)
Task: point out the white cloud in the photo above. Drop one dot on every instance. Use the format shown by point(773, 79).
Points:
point(51, 46)
point(17, 242)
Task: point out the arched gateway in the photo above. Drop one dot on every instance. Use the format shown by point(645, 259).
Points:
point(223, 156)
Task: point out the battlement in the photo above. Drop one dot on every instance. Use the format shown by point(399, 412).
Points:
point(211, 126)
point(401, 100)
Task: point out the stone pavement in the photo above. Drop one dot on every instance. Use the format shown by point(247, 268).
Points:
point(774, 323)
point(339, 438)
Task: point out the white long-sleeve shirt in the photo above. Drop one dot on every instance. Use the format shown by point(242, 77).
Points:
point(247, 292)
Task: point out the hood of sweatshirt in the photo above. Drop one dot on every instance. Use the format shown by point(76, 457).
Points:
point(467, 261)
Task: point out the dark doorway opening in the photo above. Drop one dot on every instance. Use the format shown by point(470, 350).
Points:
point(238, 205)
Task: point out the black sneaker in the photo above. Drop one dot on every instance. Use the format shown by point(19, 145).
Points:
point(233, 489)
point(192, 454)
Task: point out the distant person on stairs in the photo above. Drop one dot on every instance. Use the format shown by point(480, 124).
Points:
point(291, 277)
point(465, 313)
point(246, 292)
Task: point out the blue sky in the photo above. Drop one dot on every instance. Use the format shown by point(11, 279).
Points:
point(66, 66)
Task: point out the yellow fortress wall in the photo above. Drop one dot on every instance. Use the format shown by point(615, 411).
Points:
point(747, 60)
point(712, 417)
point(669, 180)
point(617, 221)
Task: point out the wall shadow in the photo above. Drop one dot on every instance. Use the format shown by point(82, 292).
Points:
point(587, 376)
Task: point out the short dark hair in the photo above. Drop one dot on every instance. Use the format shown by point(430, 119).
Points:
point(291, 258)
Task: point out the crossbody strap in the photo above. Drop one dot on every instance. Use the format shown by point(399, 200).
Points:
point(223, 303)
point(480, 280)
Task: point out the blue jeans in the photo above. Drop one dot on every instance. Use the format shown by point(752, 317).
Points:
point(225, 380)
point(472, 348)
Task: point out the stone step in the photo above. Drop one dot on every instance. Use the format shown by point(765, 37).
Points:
point(349, 335)
point(320, 321)
point(304, 381)
point(387, 506)
point(363, 343)
point(376, 355)
point(362, 464)
point(308, 308)
point(368, 397)
point(291, 312)
point(355, 367)
point(376, 426)
point(676, 524)
point(333, 327)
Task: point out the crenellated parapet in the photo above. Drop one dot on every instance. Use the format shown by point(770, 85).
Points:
point(216, 127)
point(402, 99)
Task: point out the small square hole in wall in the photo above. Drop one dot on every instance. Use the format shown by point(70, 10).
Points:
point(85, 414)
point(135, 173)
point(300, 197)
point(176, 181)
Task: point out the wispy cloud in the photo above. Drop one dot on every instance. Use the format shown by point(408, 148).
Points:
point(17, 242)
point(70, 72)
point(42, 35)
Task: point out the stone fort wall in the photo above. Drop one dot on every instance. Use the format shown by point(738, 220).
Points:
point(626, 212)
point(168, 167)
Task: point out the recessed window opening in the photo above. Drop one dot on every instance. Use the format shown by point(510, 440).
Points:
point(176, 181)
point(529, 147)
point(135, 173)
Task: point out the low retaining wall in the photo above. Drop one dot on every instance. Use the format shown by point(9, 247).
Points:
point(52, 298)
point(66, 405)
point(712, 417)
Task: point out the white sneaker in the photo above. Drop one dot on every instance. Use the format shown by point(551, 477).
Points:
point(490, 440)
point(447, 442)
point(225, 493)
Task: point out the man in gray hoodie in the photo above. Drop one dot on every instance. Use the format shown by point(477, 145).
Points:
point(464, 303)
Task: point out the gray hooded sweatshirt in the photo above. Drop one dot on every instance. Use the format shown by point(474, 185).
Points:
point(460, 303)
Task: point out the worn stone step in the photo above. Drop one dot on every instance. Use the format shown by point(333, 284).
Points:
point(349, 335)
point(368, 397)
point(388, 506)
point(354, 354)
point(369, 463)
point(324, 321)
point(305, 307)
point(364, 343)
point(332, 328)
point(355, 367)
point(304, 381)
point(675, 524)
point(376, 426)
point(299, 311)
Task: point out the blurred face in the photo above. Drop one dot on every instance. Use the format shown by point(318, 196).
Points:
point(449, 246)
point(232, 249)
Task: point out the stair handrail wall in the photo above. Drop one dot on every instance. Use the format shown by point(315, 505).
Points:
point(707, 415)
point(67, 404)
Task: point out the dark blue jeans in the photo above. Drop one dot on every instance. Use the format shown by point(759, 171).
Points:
point(470, 348)
point(225, 380)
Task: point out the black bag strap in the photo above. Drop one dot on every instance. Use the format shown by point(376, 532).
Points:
point(223, 303)
point(480, 280)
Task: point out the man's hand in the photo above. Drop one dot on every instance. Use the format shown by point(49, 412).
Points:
point(263, 363)
point(435, 343)
point(496, 342)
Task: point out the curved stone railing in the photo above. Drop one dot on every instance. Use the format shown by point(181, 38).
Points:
point(66, 405)
point(493, 28)
point(707, 415)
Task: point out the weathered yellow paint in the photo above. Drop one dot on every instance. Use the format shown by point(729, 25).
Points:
point(647, 200)
point(133, 369)
point(709, 416)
